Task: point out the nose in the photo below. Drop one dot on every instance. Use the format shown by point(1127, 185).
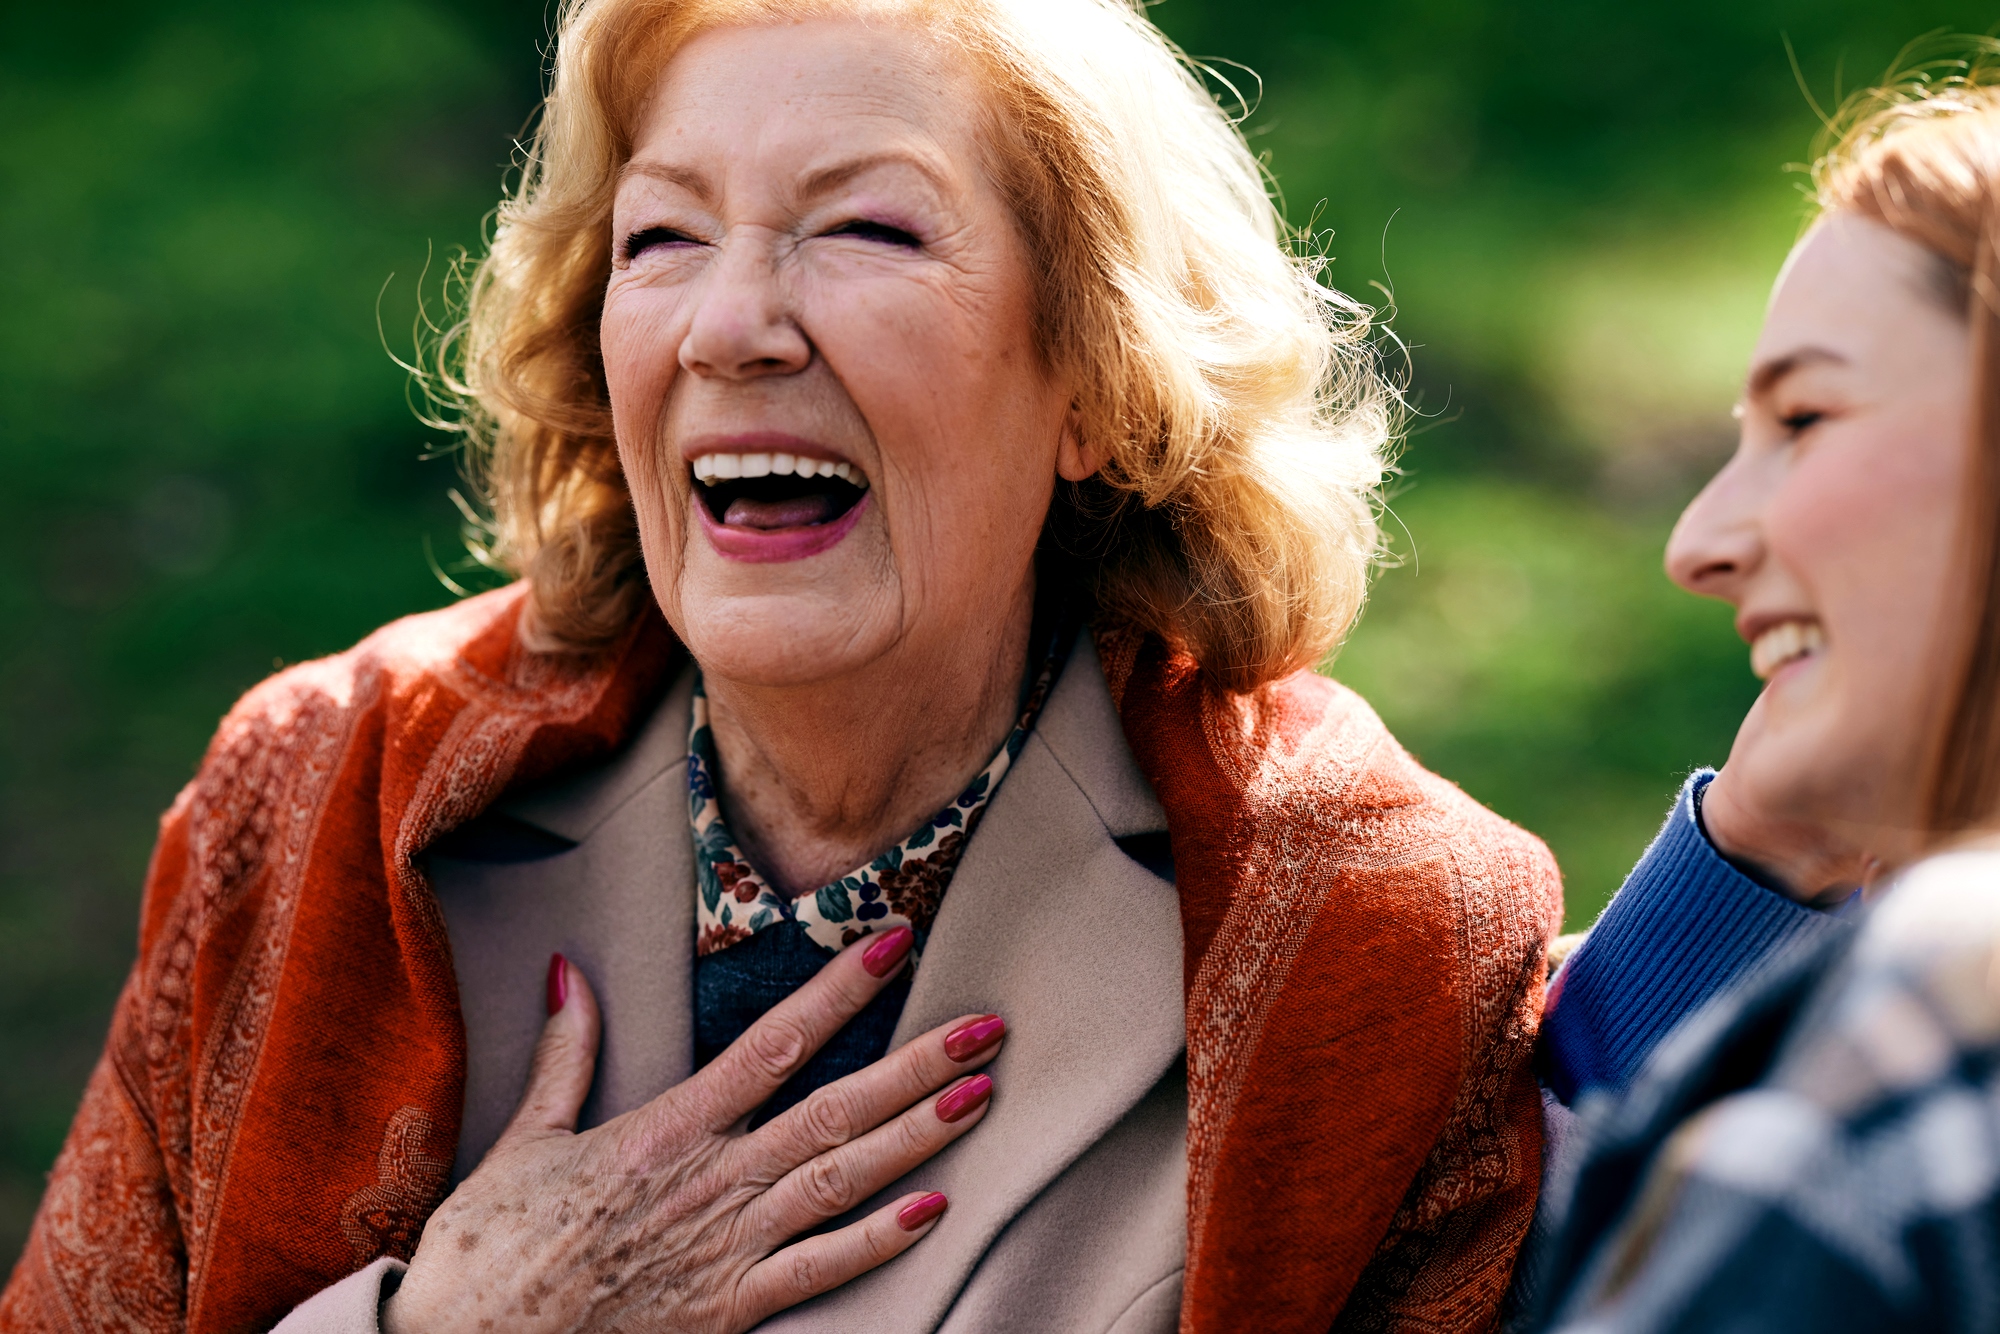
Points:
point(743, 327)
point(1718, 544)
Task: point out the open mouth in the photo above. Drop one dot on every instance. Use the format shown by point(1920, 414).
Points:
point(1786, 642)
point(771, 493)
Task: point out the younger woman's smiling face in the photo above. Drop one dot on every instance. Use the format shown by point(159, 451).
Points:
point(840, 434)
point(1836, 532)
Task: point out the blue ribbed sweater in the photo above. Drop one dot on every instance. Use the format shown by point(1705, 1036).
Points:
point(1685, 926)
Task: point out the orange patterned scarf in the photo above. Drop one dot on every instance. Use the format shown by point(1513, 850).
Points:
point(278, 1101)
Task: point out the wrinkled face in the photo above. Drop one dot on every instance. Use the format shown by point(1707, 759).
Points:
point(839, 434)
point(1835, 531)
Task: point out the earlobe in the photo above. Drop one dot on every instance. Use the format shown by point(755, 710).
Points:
point(1075, 460)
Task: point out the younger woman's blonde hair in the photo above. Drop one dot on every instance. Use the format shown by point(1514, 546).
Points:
point(1235, 400)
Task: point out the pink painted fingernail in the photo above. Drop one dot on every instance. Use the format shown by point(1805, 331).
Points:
point(881, 958)
point(919, 1212)
point(968, 1040)
point(558, 982)
point(966, 1099)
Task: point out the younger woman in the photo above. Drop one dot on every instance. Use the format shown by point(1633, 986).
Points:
point(1820, 1148)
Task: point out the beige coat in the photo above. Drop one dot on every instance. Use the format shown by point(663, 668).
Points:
point(1068, 1202)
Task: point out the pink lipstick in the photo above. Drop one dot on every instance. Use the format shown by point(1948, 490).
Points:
point(761, 545)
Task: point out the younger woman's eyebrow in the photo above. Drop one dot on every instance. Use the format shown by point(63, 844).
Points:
point(1765, 376)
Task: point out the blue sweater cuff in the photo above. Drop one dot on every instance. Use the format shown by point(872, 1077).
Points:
point(1686, 926)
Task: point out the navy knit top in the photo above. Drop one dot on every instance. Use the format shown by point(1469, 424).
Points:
point(1685, 927)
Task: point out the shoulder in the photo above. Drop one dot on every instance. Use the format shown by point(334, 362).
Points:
point(1302, 776)
point(1425, 850)
point(1870, 1059)
point(1943, 906)
point(338, 725)
point(367, 756)
point(448, 649)
point(422, 682)
point(424, 722)
point(1376, 778)
point(321, 731)
point(1317, 754)
point(1918, 978)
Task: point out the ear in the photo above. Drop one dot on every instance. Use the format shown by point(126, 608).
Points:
point(1075, 460)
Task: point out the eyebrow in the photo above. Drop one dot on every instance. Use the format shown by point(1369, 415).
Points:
point(820, 181)
point(687, 178)
point(1765, 377)
point(825, 180)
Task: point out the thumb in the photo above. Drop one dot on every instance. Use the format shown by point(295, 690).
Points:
point(565, 1057)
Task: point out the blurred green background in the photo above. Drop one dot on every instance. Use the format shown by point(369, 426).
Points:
point(207, 464)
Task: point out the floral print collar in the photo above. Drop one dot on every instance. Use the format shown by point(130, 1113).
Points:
point(902, 887)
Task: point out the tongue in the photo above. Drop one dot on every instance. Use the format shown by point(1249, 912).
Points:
point(796, 512)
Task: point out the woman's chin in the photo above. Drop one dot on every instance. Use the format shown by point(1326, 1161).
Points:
point(1825, 766)
point(780, 639)
point(780, 618)
point(1802, 699)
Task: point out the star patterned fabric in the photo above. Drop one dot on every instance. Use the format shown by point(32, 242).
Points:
point(902, 887)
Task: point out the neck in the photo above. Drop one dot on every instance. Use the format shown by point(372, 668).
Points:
point(819, 779)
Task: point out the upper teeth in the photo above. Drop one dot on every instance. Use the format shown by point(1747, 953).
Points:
point(713, 468)
point(1781, 643)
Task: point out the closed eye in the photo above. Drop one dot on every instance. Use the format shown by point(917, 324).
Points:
point(877, 231)
point(1800, 422)
point(648, 237)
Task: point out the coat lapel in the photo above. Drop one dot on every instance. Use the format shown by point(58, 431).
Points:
point(1048, 923)
point(619, 903)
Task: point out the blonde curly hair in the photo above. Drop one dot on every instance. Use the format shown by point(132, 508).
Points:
point(1236, 401)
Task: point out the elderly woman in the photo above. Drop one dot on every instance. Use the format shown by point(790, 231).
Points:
point(931, 477)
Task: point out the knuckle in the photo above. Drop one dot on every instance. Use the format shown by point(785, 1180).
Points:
point(773, 1045)
point(829, 1116)
point(804, 1272)
point(825, 1185)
